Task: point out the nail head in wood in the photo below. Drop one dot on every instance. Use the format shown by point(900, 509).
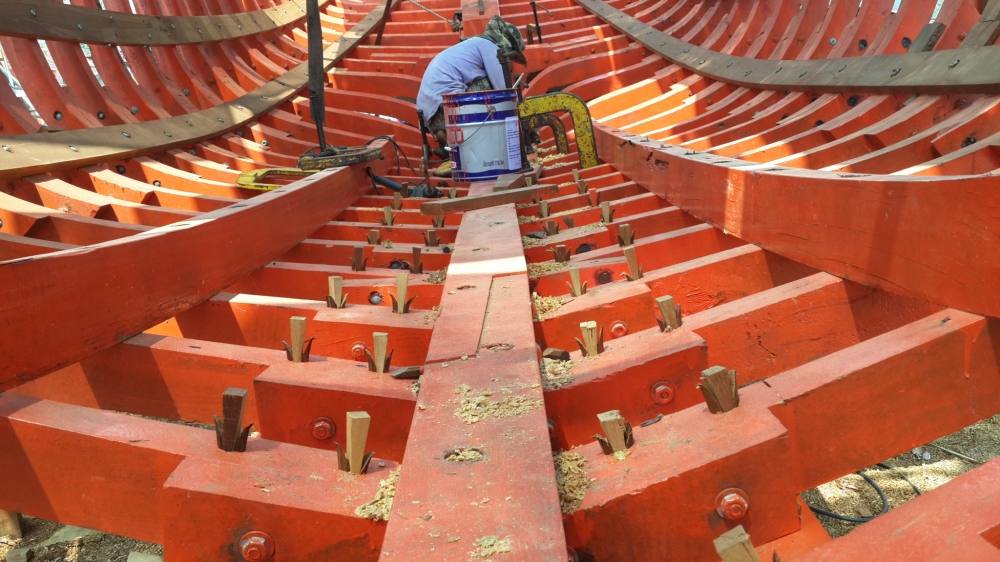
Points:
point(718, 385)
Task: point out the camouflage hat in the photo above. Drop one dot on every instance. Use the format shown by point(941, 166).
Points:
point(506, 36)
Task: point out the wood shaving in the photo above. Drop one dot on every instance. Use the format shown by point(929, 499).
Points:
point(475, 406)
point(549, 157)
point(556, 374)
point(489, 546)
point(378, 508)
point(536, 270)
point(545, 306)
point(437, 277)
point(415, 388)
point(431, 315)
point(571, 480)
point(529, 241)
point(464, 454)
point(525, 219)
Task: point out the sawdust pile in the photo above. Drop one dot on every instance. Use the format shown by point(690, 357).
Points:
point(549, 158)
point(528, 241)
point(489, 546)
point(545, 306)
point(415, 387)
point(378, 508)
point(926, 467)
point(437, 276)
point(571, 480)
point(432, 315)
point(556, 374)
point(525, 219)
point(464, 454)
point(536, 270)
point(475, 406)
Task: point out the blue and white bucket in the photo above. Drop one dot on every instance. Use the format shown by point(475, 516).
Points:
point(484, 133)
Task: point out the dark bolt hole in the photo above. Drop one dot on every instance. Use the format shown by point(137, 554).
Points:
point(446, 249)
point(907, 42)
point(583, 248)
point(969, 140)
point(604, 276)
point(852, 101)
point(398, 264)
point(101, 115)
point(863, 44)
point(58, 115)
point(819, 122)
point(375, 297)
point(120, 169)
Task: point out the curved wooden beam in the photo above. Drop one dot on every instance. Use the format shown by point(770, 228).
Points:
point(50, 323)
point(63, 22)
point(46, 152)
point(967, 70)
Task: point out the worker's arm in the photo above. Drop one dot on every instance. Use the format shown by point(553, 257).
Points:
point(492, 65)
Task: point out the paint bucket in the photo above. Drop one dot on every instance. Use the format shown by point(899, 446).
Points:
point(484, 132)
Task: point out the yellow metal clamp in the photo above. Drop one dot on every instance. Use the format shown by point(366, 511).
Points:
point(260, 179)
point(577, 108)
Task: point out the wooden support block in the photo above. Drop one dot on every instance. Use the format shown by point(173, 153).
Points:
point(298, 347)
point(607, 215)
point(431, 238)
point(374, 236)
point(634, 270)
point(561, 252)
point(417, 265)
point(379, 359)
point(335, 292)
point(734, 546)
point(358, 424)
point(473, 202)
point(543, 209)
point(593, 339)
point(388, 216)
point(397, 201)
point(576, 287)
point(718, 385)
point(625, 235)
point(399, 303)
point(617, 432)
point(670, 313)
point(10, 524)
point(551, 228)
point(230, 434)
point(358, 260)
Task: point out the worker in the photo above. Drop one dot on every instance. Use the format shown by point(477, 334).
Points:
point(469, 66)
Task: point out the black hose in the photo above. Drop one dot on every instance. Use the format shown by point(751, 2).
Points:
point(903, 476)
point(851, 519)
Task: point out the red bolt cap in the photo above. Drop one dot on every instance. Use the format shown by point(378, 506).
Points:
point(358, 351)
point(662, 392)
point(256, 546)
point(323, 429)
point(619, 329)
point(732, 504)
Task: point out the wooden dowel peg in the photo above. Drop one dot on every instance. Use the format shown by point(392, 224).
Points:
point(529, 180)
point(551, 228)
point(388, 216)
point(374, 236)
point(570, 223)
point(417, 265)
point(399, 303)
point(561, 252)
point(576, 287)
point(397, 201)
point(431, 238)
point(592, 343)
point(452, 193)
point(358, 424)
point(358, 259)
point(718, 385)
point(581, 186)
point(617, 432)
point(297, 349)
point(230, 434)
point(543, 209)
point(607, 215)
point(734, 546)
point(670, 313)
point(634, 270)
point(593, 197)
point(405, 189)
point(335, 292)
point(379, 359)
point(10, 524)
point(625, 235)
point(438, 221)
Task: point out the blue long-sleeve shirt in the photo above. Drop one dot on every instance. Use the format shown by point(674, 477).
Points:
point(454, 68)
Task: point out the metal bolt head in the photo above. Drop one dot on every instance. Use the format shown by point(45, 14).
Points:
point(619, 329)
point(732, 504)
point(323, 429)
point(358, 351)
point(662, 392)
point(256, 546)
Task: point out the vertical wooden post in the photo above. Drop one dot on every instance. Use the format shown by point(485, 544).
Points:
point(634, 270)
point(10, 524)
point(551, 228)
point(431, 238)
point(438, 221)
point(625, 235)
point(399, 302)
point(576, 287)
point(388, 217)
point(380, 344)
point(543, 209)
point(452, 193)
point(606, 214)
point(718, 385)
point(617, 431)
point(374, 236)
point(561, 253)
point(581, 186)
point(593, 339)
point(397, 201)
point(335, 292)
point(297, 339)
point(417, 264)
point(670, 312)
point(358, 424)
point(358, 259)
point(734, 546)
point(229, 431)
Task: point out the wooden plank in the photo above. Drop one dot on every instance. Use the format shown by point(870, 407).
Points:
point(473, 202)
